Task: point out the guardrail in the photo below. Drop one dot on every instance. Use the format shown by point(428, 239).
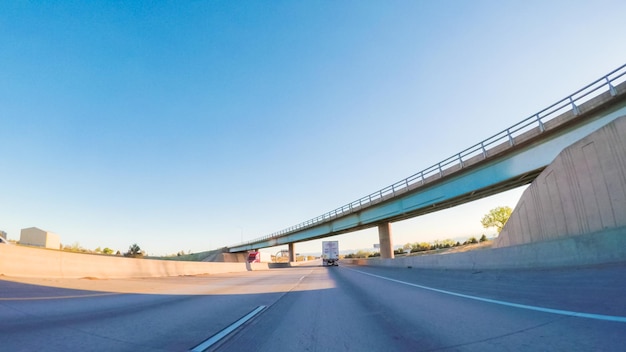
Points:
point(436, 171)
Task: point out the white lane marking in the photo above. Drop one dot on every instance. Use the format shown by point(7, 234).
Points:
point(59, 297)
point(504, 303)
point(220, 335)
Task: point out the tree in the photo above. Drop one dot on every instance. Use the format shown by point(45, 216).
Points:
point(362, 254)
point(421, 247)
point(107, 250)
point(483, 238)
point(74, 247)
point(134, 251)
point(497, 217)
point(448, 243)
point(471, 240)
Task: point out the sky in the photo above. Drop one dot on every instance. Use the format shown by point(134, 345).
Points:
point(191, 125)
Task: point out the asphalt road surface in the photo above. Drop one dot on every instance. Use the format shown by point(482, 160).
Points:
point(314, 308)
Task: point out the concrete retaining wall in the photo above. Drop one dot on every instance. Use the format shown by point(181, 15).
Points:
point(598, 248)
point(590, 249)
point(582, 191)
point(18, 261)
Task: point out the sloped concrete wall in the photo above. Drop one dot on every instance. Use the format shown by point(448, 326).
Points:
point(18, 261)
point(232, 258)
point(582, 191)
point(608, 246)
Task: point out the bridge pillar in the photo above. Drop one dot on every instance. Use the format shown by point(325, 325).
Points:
point(384, 238)
point(292, 252)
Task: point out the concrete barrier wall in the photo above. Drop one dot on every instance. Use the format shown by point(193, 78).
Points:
point(597, 248)
point(604, 247)
point(582, 191)
point(19, 261)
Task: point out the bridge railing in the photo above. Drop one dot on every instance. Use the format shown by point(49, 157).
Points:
point(481, 150)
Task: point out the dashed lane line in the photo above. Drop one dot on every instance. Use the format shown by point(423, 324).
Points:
point(226, 331)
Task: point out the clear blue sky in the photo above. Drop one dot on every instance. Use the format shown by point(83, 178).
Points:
point(188, 125)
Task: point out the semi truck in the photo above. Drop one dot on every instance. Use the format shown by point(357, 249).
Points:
point(259, 257)
point(330, 253)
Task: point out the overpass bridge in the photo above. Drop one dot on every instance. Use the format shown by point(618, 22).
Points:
point(508, 159)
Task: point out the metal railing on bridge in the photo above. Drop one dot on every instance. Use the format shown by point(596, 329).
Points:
point(436, 171)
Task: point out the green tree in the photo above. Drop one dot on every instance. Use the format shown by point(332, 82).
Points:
point(74, 247)
point(497, 217)
point(107, 250)
point(362, 254)
point(483, 238)
point(447, 243)
point(134, 251)
point(423, 246)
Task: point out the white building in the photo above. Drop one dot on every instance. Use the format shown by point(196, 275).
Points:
point(33, 236)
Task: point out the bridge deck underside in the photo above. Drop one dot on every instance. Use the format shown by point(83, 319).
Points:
point(503, 167)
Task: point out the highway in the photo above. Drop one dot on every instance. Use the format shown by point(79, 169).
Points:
point(315, 308)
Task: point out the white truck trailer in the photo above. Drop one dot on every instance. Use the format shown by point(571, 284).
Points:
point(330, 253)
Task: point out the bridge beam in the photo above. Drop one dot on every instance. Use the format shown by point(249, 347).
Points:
point(512, 160)
point(386, 243)
point(292, 252)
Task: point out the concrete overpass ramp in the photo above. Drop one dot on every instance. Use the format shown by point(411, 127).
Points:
point(511, 158)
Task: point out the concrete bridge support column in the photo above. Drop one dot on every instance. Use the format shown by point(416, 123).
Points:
point(384, 238)
point(292, 252)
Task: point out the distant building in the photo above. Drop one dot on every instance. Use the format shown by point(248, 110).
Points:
point(33, 236)
point(3, 234)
